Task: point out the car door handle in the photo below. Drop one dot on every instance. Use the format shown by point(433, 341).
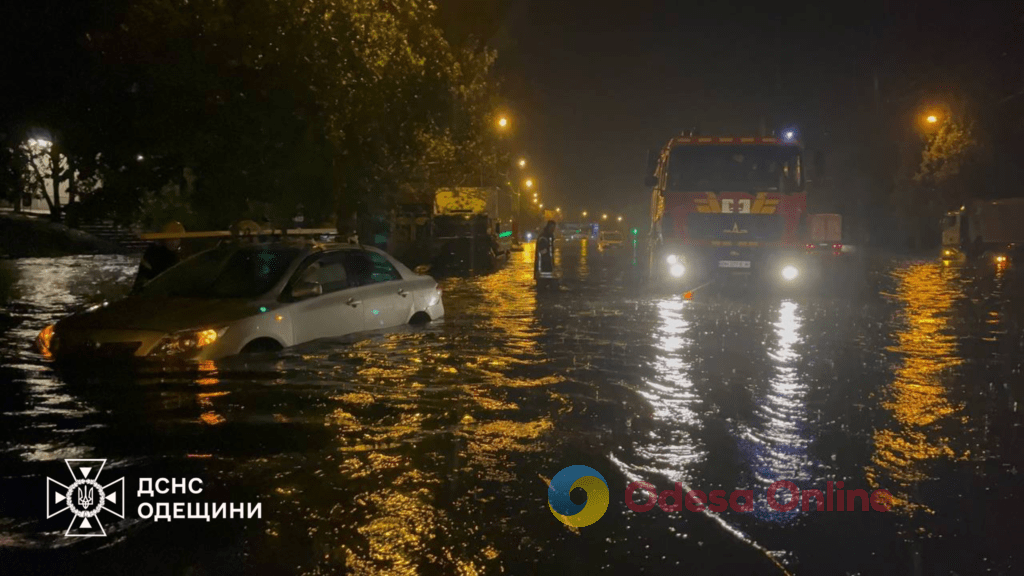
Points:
point(402, 292)
point(353, 302)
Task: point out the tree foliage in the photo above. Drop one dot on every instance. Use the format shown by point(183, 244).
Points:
point(337, 105)
point(945, 153)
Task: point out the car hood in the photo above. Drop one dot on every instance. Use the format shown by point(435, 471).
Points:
point(163, 314)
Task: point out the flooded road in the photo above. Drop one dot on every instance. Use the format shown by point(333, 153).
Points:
point(428, 450)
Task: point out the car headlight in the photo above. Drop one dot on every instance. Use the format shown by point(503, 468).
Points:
point(789, 272)
point(187, 341)
point(677, 270)
point(1000, 258)
point(672, 259)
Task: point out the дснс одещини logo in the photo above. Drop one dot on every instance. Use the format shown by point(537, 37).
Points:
point(85, 497)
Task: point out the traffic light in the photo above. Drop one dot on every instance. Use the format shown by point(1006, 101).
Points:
point(634, 231)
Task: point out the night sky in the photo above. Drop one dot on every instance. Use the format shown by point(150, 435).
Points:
point(594, 85)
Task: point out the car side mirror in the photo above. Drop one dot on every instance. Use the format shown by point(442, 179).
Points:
point(303, 290)
point(651, 180)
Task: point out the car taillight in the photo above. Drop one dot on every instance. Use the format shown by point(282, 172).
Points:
point(810, 246)
point(837, 246)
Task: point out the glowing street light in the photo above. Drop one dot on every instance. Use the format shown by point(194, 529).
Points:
point(604, 216)
point(522, 163)
point(558, 209)
point(541, 206)
point(503, 122)
point(932, 119)
point(529, 183)
point(584, 213)
point(620, 218)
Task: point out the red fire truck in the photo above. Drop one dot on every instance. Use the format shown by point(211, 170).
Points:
point(729, 206)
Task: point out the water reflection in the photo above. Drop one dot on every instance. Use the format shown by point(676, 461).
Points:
point(672, 398)
point(584, 265)
point(432, 423)
point(918, 396)
point(782, 439)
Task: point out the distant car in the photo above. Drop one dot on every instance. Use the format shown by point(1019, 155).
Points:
point(610, 240)
point(251, 297)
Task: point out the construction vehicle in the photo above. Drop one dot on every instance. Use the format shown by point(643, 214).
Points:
point(985, 229)
point(729, 206)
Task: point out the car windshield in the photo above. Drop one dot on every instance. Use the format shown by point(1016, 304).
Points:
point(230, 272)
point(717, 168)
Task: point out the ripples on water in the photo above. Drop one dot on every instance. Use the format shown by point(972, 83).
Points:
point(427, 450)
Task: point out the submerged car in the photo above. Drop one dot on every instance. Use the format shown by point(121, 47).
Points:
point(251, 297)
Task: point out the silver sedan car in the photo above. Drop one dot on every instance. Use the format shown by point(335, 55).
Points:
point(251, 297)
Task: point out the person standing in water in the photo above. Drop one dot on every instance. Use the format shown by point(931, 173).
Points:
point(544, 256)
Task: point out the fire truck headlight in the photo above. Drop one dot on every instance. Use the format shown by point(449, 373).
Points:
point(672, 259)
point(790, 272)
point(677, 270)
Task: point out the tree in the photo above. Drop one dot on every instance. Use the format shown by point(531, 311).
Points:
point(943, 160)
point(332, 104)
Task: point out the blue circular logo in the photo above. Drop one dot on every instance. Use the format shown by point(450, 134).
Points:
point(592, 482)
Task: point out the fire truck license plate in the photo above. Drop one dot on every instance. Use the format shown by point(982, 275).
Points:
point(734, 263)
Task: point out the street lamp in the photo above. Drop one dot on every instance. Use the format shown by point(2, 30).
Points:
point(529, 183)
point(604, 216)
point(558, 209)
point(620, 218)
point(584, 213)
point(503, 122)
point(522, 163)
point(932, 119)
point(541, 206)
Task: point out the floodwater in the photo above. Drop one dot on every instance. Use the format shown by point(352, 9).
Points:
point(427, 450)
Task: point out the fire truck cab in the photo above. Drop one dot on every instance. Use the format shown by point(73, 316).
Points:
point(728, 206)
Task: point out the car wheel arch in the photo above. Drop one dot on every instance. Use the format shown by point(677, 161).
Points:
point(261, 344)
point(420, 317)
